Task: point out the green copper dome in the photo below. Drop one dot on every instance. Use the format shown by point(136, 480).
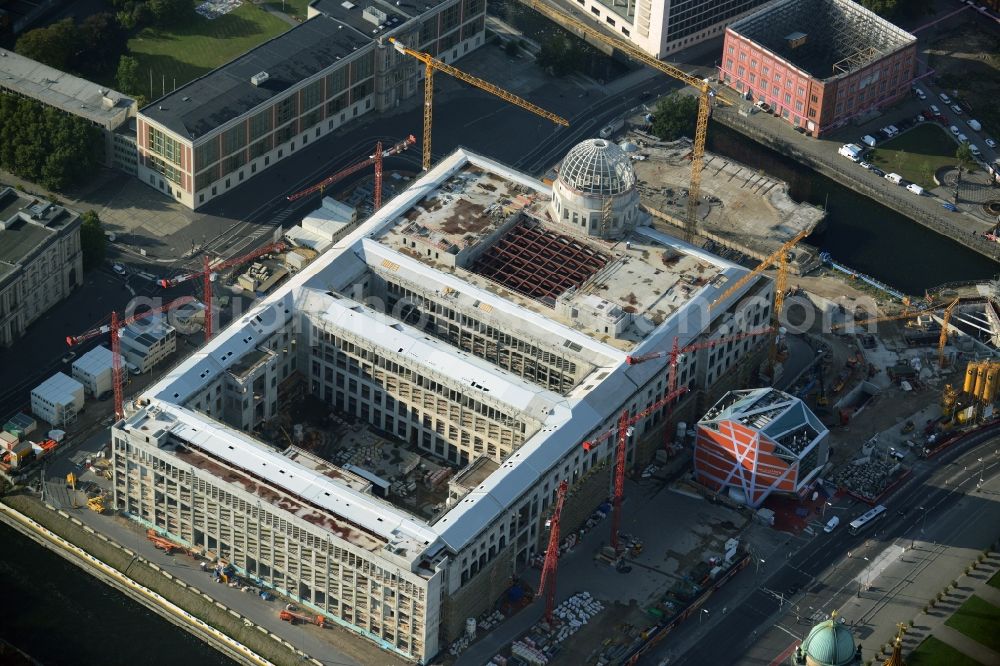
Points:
point(829, 644)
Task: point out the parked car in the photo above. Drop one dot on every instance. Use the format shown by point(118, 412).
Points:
point(954, 130)
point(878, 172)
point(916, 189)
point(869, 140)
point(919, 93)
point(944, 98)
point(831, 524)
point(949, 206)
point(865, 165)
point(990, 142)
point(118, 268)
point(974, 124)
point(68, 357)
point(957, 109)
point(936, 111)
point(974, 149)
point(962, 138)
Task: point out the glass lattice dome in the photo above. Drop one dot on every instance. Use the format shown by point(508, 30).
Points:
point(597, 167)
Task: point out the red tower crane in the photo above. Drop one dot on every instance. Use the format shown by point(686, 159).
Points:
point(210, 269)
point(552, 555)
point(375, 159)
point(625, 421)
point(114, 328)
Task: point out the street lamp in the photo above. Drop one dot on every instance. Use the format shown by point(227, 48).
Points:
point(826, 504)
point(704, 611)
point(982, 469)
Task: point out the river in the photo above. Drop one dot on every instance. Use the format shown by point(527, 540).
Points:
point(859, 232)
point(59, 614)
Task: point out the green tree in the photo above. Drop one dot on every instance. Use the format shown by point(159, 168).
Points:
point(556, 55)
point(127, 77)
point(45, 145)
point(93, 243)
point(101, 41)
point(675, 116)
point(55, 45)
point(966, 160)
point(168, 13)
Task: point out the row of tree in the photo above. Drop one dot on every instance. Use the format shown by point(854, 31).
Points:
point(94, 46)
point(45, 145)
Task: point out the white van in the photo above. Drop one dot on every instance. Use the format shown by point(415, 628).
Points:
point(974, 124)
point(851, 151)
point(869, 140)
point(916, 189)
point(831, 525)
point(894, 178)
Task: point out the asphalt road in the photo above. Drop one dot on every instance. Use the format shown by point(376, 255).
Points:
point(750, 624)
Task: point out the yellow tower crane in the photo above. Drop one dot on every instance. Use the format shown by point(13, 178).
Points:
point(431, 64)
point(701, 85)
point(943, 340)
point(779, 256)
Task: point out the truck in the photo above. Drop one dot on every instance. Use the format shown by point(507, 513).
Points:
point(609, 130)
point(974, 124)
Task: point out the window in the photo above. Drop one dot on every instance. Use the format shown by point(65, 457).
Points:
point(610, 20)
point(625, 32)
point(163, 145)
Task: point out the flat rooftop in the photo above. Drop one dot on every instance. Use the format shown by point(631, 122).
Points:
point(24, 76)
point(663, 272)
point(494, 233)
point(26, 224)
point(226, 92)
point(826, 38)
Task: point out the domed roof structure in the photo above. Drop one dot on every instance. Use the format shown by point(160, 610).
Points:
point(599, 167)
point(829, 644)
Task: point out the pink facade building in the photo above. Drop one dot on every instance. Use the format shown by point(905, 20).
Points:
point(818, 63)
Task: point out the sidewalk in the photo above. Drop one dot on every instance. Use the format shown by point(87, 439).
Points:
point(933, 622)
point(898, 592)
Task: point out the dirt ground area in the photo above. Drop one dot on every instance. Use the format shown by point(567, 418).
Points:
point(968, 61)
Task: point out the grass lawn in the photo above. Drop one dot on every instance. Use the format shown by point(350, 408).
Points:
point(294, 8)
point(917, 154)
point(187, 52)
point(978, 619)
point(995, 580)
point(932, 652)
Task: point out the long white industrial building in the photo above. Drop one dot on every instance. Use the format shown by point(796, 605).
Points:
point(472, 322)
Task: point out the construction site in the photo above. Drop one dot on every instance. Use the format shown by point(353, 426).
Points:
point(449, 382)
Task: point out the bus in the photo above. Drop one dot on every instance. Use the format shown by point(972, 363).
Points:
point(865, 521)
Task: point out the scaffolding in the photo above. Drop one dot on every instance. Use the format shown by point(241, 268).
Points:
point(826, 38)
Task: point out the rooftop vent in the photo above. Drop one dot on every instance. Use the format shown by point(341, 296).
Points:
point(796, 39)
point(259, 78)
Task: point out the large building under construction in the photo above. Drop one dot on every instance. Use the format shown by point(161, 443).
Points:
point(471, 322)
point(222, 129)
point(818, 63)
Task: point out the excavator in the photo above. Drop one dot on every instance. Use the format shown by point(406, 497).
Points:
point(294, 618)
point(96, 503)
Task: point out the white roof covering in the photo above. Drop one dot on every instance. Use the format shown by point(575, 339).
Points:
point(94, 362)
point(567, 421)
point(59, 389)
point(477, 375)
point(225, 443)
point(301, 237)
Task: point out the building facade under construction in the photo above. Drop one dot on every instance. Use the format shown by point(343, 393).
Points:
point(470, 321)
point(818, 63)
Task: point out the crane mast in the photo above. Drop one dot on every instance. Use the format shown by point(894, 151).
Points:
point(208, 269)
point(114, 328)
point(432, 64)
point(375, 159)
point(547, 585)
